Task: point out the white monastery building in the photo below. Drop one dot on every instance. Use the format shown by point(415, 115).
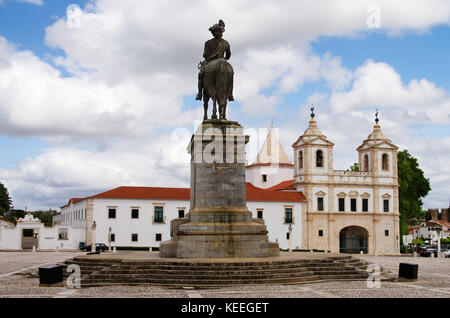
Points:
point(307, 201)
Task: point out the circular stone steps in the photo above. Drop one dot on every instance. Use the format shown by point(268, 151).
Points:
point(204, 273)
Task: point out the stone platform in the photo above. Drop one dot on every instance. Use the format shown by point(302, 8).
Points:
point(144, 268)
point(219, 224)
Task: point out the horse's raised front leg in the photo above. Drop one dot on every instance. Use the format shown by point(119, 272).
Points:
point(214, 114)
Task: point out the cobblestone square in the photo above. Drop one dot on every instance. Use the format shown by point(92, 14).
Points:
point(19, 279)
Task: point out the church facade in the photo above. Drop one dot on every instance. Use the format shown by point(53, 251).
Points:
point(347, 211)
point(304, 205)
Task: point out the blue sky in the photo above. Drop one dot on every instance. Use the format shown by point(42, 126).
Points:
point(118, 118)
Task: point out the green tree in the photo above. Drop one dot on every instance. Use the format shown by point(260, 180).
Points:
point(5, 200)
point(413, 187)
point(354, 167)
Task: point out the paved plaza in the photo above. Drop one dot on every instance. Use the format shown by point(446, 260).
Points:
point(19, 278)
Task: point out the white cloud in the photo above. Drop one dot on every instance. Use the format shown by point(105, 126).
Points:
point(133, 62)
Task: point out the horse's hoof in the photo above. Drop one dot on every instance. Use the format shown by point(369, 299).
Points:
point(198, 97)
point(231, 99)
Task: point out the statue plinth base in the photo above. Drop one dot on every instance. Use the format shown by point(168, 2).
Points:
point(219, 223)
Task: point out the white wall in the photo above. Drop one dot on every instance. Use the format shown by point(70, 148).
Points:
point(275, 175)
point(273, 215)
point(123, 226)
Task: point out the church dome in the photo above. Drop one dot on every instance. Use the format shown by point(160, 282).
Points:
point(377, 134)
point(312, 129)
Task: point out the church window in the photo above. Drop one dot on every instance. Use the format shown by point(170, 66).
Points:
point(365, 205)
point(319, 158)
point(385, 162)
point(386, 232)
point(319, 204)
point(366, 163)
point(180, 213)
point(342, 204)
point(353, 205)
point(300, 159)
point(386, 205)
point(264, 178)
point(320, 232)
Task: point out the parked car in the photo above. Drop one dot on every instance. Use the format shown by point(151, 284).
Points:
point(446, 253)
point(427, 252)
point(98, 247)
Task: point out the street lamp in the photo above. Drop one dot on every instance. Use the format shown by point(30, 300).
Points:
point(290, 238)
point(109, 238)
point(94, 226)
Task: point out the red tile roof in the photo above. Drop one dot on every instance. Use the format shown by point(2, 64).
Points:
point(72, 200)
point(285, 185)
point(253, 193)
point(442, 223)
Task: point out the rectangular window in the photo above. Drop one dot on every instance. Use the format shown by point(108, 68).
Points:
point(63, 234)
point(365, 205)
point(341, 204)
point(134, 237)
point(112, 213)
point(180, 213)
point(264, 178)
point(260, 214)
point(135, 213)
point(353, 205)
point(319, 204)
point(158, 237)
point(158, 217)
point(386, 232)
point(386, 205)
point(287, 236)
point(320, 232)
point(113, 237)
point(288, 215)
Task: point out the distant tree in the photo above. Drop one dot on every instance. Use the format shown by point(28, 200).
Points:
point(45, 216)
point(354, 167)
point(413, 187)
point(5, 200)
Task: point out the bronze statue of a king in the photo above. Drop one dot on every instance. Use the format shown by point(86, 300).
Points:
point(215, 79)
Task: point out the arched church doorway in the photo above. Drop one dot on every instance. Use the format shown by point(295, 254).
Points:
point(353, 239)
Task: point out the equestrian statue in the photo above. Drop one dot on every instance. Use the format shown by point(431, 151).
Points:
point(215, 79)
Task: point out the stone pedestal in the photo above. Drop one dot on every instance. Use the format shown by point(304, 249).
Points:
point(219, 223)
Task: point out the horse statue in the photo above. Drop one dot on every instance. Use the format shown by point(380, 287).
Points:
point(218, 85)
point(215, 79)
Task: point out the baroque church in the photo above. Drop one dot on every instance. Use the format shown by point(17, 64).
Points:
point(306, 205)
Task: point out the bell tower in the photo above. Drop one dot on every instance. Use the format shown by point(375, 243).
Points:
point(313, 156)
point(378, 155)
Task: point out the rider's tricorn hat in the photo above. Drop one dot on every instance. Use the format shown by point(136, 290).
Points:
point(218, 27)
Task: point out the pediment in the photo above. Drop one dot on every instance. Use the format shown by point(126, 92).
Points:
point(353, 193)
point(320, 194)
